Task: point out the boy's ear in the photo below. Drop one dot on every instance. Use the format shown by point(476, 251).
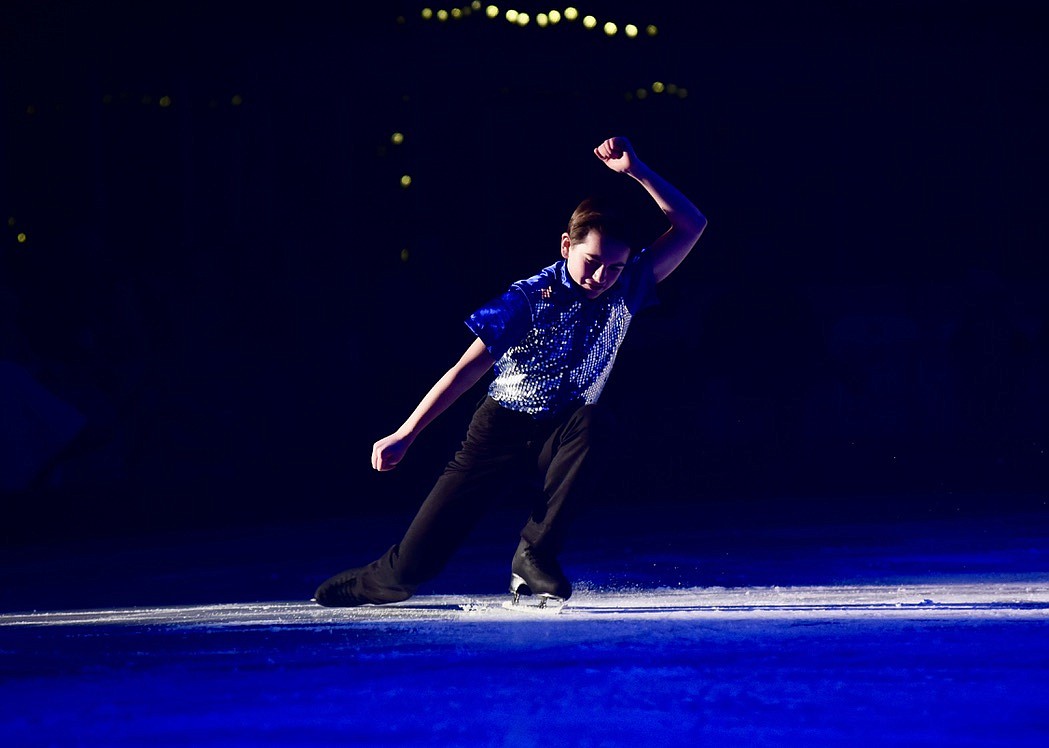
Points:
point(566, 242)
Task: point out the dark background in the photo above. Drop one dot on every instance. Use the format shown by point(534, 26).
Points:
point(223, 297)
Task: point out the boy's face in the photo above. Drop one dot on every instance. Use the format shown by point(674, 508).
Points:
point(595, 263)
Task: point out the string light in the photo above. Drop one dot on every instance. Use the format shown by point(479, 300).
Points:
point(397, 138)
point(658, 87)
point(406, 181)
point(22, 238)
point(542, 20)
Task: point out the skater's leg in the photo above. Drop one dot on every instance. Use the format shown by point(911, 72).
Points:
point(457, 501)
point(493, 448)
point(565, 461)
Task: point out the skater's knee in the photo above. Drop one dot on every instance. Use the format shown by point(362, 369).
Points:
point(589, 425)
point(585, 420)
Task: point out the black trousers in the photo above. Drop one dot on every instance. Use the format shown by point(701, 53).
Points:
point(501, 445)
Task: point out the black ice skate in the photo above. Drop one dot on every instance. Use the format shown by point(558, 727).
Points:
point(533, 573)
point(353, 587)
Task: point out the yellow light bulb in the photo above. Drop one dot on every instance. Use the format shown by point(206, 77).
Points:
point(427, 14)
point(630, 30)
point(611, 29)
point(589, 22)
point(555, 16)
point(406, 181)
point(571, 13)
point(651, 30)
point(491, 11)
point(397, 138)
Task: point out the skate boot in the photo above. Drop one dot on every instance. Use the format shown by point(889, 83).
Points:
point(355, 587)
point(533, 573)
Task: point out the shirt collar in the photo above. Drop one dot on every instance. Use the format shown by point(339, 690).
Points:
point(566, 281)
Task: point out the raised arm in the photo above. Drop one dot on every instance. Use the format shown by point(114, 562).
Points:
point(686, 222)
point(390, 450)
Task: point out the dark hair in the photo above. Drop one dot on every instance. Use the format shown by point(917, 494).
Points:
point(595, 214)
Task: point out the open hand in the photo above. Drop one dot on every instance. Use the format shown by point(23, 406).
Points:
point(617, 154)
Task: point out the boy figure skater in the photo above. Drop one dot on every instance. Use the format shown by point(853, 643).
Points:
point(552, 339)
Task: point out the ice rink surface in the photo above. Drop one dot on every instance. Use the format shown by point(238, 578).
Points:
point(877, 633)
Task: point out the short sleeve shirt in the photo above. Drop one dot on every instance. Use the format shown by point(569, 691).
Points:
point(554, 347)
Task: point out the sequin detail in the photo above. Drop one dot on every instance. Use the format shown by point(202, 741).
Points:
point(565, 358)
point(555, 347)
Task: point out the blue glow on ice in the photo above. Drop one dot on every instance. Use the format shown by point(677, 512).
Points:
point(894, 635)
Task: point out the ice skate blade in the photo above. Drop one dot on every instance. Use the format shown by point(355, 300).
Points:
point(518, 587)
point(542, 601)
point(544, 605)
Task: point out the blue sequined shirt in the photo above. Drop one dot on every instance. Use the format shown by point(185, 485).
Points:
point(555, 347)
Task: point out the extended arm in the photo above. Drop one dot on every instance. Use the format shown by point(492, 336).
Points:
point(389, 451)
point(686, 222)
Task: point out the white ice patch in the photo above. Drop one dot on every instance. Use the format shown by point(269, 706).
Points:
point(987, 600)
